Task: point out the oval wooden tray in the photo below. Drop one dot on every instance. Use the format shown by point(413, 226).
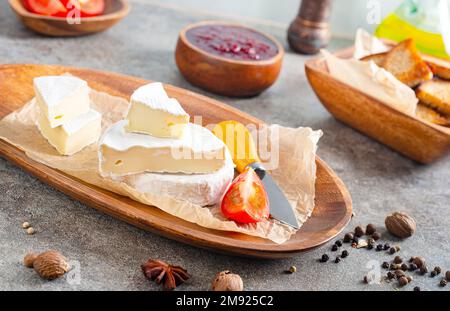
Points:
point(333, 203)
point(417, 139)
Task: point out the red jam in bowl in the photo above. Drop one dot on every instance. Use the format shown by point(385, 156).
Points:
point(233, 42)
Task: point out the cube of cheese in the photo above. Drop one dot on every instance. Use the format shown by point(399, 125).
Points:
point(61, 98)
point(74, 135)
point(197, 151)
point(153, 112)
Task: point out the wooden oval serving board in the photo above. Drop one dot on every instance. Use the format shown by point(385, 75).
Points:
point(333, 203)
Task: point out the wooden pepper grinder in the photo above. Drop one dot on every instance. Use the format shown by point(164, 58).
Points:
point(310, 30)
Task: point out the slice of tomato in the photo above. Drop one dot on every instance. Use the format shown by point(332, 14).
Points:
point(44, 7)
point(87, 7)
point(246, 199)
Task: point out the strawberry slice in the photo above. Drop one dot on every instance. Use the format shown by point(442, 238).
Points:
point(45, 7)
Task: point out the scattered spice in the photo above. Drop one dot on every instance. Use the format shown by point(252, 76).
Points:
point(397, 248)
point(385, 265)
point(370, 229)
point(395, 266)
point(338, 243)
point(292, 269)
point(31, 231)
point(370, 243)
point(386, 246)
point(400, 225)
point(417, 289)
point(390, 275)
point(423, 270)
point(433, 273)
point(49, 265)
point(366, 279)
point(348, 237)
point(376, 236)
point(398, 259)
point(404, 267)
point(447, 275)
point(227, 281)
point(324, 258)
point(26, 225)
point(411, 259)
point(402, 281)
point(399, 273)
point(359, 231)
point(443, 283)
point(334, 248)
point(162, 273)
point(337, 260)
point(412, 267)
point(438, 270)
point(392, 250)
point(379, 247)
point(344, 254)
point(29, 259)
point(419, 261)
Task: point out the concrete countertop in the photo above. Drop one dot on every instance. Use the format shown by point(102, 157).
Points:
point(109, 252)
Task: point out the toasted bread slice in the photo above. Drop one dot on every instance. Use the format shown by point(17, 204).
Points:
point(430, 115)
point(376, 58)
point(435, 94)
point(440, 67)
point(406, 64)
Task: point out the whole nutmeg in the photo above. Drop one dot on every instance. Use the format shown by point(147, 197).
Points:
point(50, 265)
point(29, 259)
point(400, 224)
point(227, 281)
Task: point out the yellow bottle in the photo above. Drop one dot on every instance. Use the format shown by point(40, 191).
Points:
point(427, 21)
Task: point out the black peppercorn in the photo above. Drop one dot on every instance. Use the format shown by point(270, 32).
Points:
point(348, 237)
point(370, 229)
point(398, 259)
point(379, 247)
point(386, 246)
point(412, 267)
point(359, 231)
point(438, 270)
point(433, 273)
point(443, 283)
point(376, 236)
point(366, 279)
point(417, 289)
point(337, 260)
point(334, 247)
point(411, 260)
point(385, 265)
point(402, 281)
point(338, 243)
point(390, 275)
point(324, 258)
point(392, 250)
point(404, 267)
point(344, 254)
point(370, 246)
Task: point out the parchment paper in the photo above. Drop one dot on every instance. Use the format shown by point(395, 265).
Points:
point(296, 172)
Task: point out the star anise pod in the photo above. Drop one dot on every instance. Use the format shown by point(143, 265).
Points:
point(163, 273)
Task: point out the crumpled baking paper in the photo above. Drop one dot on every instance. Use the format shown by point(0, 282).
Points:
point(296, 172)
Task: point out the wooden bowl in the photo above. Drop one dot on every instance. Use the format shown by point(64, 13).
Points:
point(224, 76)
point(58, 27)
point(415, 138)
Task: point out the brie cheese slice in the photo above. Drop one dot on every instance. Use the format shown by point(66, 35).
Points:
point(372, 80)
point(61, 98)
point(124, 153)
point(200, 189)
point(153, 112)
point(366, 44)
point(74, 135)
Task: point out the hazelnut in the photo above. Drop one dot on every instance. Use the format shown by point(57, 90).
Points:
point(370, 229)
point(419, 262)
point(50, 265)
point(359, 231)
point(400, 224)
point(227, 281)
point(29, 259)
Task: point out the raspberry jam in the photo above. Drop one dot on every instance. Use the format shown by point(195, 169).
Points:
point(233, 42)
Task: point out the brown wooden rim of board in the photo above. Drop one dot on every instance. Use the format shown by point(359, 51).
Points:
point(20, 9)
point(313, 64)
point(265, 62)
point(171, 226)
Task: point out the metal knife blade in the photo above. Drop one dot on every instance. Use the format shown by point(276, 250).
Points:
point(280, 208)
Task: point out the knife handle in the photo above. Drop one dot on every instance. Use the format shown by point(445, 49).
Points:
point(239, 142)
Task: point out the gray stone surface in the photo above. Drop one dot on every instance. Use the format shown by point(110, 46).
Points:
point(109, 252)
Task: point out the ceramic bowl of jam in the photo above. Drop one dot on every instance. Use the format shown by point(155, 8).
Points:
point(228, 59)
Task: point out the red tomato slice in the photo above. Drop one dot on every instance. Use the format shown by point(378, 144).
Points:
point(246, 200)
point(87, 7)
point(44, 7)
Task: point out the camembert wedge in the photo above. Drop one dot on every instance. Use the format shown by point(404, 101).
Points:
point(124, 153)
point(74, 135)
point(152, 112)
point(61, 98)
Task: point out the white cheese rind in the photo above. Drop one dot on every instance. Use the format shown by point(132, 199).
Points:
point(152, 112)
point(200, 189)
point(124, 153)
point(73, 136)
point(61, 98)
point(366, 44)
point(372, 80)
